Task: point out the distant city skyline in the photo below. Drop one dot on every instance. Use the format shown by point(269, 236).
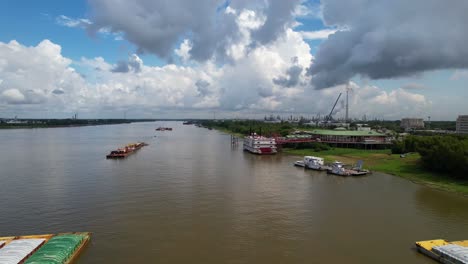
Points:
point(248, 59)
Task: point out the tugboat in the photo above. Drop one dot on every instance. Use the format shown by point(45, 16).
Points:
point(164, 129)
point(125, 151)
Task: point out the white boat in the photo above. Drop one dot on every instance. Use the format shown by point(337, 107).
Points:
point(315, 163)
point(299, 163)
point(260, 145)
point(338, 168)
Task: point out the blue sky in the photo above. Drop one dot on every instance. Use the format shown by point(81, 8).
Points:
point(205, 71)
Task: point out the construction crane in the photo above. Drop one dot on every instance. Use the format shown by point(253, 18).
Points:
point(329, 117)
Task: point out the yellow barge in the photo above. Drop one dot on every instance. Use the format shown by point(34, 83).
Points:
point(455, 252)
point(62, 248)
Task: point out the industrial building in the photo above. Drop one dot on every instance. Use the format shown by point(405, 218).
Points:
point(367, 139)
point(412, 123)
point(462, 124)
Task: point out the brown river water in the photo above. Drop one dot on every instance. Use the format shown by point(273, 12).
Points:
point(189, 197)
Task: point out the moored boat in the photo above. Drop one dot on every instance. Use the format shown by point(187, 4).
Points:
point(315, 163)
point(260, 145)
point(444, 251)
point(61, 248)
point(299, 163)
point(338, 168)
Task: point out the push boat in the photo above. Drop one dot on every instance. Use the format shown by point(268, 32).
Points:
point(455, 252)
point(338, 168)
point(125, 151)
point(260, 145)
point(164, 129)
point(61, 248)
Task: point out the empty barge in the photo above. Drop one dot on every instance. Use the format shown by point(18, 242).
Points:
point(455, 252)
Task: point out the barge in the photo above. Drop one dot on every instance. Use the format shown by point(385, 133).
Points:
point(125, 151)
point(164, 129)
point(455, 252)
point(61, 248)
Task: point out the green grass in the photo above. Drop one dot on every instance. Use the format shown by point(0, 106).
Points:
point(383, 161)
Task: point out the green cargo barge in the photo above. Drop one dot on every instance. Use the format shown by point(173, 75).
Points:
point(52, 249)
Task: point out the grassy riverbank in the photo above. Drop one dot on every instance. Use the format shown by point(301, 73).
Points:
point(383, 161)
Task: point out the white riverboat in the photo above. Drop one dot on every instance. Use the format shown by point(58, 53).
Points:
point(260, 145)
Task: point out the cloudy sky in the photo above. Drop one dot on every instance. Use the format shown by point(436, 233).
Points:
point(235, 58)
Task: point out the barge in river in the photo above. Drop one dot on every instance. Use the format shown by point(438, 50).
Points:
point(455, 252)
point(62, 248)
point(125, 151)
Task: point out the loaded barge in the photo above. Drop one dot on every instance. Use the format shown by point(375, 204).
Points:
point(62, 248)
point(455, 252)
point(125, 151)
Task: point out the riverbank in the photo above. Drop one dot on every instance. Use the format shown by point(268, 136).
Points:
point(57, 123)
point(383, 161)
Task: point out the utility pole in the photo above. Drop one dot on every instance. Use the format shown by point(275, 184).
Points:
point(347, 105)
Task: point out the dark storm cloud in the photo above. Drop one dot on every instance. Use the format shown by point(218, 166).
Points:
point(122, 66)
point(202, 88)
point(158, 26)
point(387, 39)
point(292, 77)
point(279, 14)
point(134, 63)
point(58, 91)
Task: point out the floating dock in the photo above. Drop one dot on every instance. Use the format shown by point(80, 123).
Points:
point(43, 249)
point(455, 252)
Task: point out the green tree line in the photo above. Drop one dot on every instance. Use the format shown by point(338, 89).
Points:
point(448, 154)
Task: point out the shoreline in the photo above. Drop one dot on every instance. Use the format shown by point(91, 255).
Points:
point(63, 123)
point(383, 161)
